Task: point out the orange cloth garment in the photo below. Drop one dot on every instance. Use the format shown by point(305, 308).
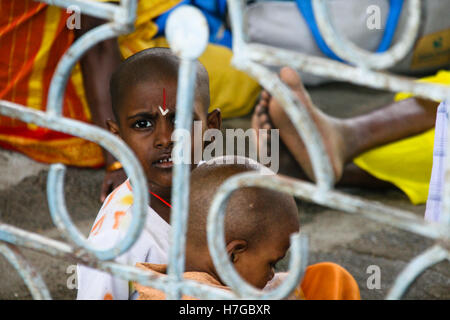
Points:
point(322, 281)
point(329, 281)
point(148, 293)
point(33, 38)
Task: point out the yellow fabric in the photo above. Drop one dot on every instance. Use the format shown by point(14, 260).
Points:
point(405, 163)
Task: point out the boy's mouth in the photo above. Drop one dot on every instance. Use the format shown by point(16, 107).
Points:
point(165, 162)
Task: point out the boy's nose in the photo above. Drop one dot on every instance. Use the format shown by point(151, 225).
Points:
point(163, 137)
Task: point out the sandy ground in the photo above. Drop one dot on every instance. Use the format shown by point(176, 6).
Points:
point(348, 239)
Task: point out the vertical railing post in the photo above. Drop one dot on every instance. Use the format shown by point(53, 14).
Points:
point(187, 33)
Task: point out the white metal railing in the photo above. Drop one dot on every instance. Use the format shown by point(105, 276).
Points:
point(188, 35)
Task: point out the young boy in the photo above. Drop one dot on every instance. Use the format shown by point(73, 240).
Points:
point(258, 225)
point(142, 89)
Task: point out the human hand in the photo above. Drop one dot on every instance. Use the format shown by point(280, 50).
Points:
point(111, 181)
point(277, 280)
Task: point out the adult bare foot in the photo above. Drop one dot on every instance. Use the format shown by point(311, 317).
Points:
point(332, 130)
point(261, 123)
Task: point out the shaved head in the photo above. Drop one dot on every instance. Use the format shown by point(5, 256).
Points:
point(153, 65)
point(251, 212)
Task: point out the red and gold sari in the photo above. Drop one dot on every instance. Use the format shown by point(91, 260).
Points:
point(33, 37)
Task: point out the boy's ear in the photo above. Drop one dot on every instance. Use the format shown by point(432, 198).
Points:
point(214, 119)
point(113, 127)
point(235, 248)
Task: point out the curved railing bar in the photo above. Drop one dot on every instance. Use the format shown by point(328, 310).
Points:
point(217, 246)
point(96, 9)
point(127, 16)
point(299, 116)
point(123, 17)
point(187, 33)
point(340, 71)
point(60, 217)
point(32, 279)
point(243, 54)
point(70, 58)
point(111, 143)
point(162, 282)
point(347, 203)
point(301, 119)
point(64, 224)
point(236, 10)
point(348, 51)
point(34, 241)
point(375, 211)
point(64, 251)
point(419, 264)
point(123, 14)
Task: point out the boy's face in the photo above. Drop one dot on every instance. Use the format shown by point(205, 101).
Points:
point(257, 264)
point(147, 128)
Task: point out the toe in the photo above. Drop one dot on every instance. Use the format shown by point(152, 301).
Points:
point(291, 78)
point(265, 95)
point(264, 103)
point(259, 110)
point(264, 118)
point(267, 126)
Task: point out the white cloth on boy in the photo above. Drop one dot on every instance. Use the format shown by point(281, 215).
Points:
point(109, 228)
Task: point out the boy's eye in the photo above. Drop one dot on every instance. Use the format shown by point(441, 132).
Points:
point(142, 124)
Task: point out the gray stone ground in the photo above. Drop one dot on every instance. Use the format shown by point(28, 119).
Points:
point(347, 239)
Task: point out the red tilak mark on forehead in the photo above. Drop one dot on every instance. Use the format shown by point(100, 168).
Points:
point(164, 109)
point(164, 99)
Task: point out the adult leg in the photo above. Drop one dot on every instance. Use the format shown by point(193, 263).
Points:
point(344, 138)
